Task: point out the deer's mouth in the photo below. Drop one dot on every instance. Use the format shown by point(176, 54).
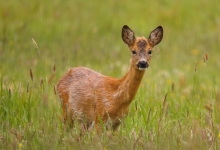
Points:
point(142, 69)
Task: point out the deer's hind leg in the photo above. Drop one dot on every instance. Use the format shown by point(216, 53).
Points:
point(67, 116)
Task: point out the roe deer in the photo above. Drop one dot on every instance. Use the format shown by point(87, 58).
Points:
point(89, 95)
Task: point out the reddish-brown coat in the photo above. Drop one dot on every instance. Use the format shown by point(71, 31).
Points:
point(90, 96)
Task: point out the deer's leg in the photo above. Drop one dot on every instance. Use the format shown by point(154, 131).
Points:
point(98, 122)
point(64, 113)
point(116, 124)
point(67, 116)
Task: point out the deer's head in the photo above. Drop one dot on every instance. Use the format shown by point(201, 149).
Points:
point(141, 47)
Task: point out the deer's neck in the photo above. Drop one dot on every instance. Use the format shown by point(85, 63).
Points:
point(130, 84)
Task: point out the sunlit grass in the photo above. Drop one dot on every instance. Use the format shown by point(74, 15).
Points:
point(177, 105)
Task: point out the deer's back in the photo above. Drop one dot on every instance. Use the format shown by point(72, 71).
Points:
point(88, 92)
point(77, 81)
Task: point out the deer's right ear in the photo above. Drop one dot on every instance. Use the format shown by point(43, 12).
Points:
point(156, 35)
point(128, 35)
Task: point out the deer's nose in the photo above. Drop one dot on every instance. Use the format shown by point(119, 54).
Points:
point(142, 64)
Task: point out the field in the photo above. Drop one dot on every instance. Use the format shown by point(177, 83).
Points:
point(177, 105)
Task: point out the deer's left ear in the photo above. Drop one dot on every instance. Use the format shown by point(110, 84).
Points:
point(128, 35)
point(156, 36)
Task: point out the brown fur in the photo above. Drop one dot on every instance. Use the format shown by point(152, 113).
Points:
point(89, 95)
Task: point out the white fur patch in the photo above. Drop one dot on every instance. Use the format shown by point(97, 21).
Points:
point(118, 93)
point(142, 69)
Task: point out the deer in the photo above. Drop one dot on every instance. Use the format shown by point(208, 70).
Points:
point(91, 98)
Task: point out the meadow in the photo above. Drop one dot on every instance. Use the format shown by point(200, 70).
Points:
point(178, 102)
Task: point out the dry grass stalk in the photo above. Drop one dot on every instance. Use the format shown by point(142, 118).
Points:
point(31, 75)
point(137, 138)
point(208, 108)
point(205, 58)
point(163, 110)
point(27, 87)
point(35, 44)
point(54, 68)
point(195, 68)
point(54, 89)
point(9, 92)
point(148, 116)
point(18, 135)
point(164, 102)
point(41, 83)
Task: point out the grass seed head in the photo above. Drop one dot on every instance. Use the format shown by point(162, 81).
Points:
point(54, 68)
point(27, 87)
point(206, 56)
point(41, 83)
point(195, 67)
point(54, 89)
point(31, 75)
point(35, 44)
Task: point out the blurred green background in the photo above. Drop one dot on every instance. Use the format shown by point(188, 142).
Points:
point(70, 33)
point(73, 33)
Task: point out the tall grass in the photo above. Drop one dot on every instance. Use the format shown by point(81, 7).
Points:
point(177, 105)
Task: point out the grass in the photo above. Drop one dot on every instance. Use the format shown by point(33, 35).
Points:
point(177, 105)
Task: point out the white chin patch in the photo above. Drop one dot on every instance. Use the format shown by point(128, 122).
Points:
point(142, 69)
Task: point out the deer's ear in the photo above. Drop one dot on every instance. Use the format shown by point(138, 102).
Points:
point(156, 36)
point(128, 35)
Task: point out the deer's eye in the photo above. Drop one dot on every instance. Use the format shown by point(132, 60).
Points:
point(134, 52)
point(149, 52)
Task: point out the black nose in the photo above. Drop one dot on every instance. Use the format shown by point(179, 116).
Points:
point(142, 64)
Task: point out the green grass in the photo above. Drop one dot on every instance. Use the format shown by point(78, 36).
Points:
point(77, 33)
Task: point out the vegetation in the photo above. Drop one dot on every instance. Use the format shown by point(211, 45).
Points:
point(177, 105)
